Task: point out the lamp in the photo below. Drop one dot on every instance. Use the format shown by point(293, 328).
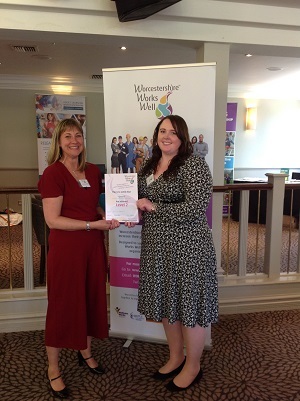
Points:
point(62, 89)
point(251, 113)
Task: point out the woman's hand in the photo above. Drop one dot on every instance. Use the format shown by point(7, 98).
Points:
point(145, 205)
point(129, 224)
point(105, 224)
point(114, 224)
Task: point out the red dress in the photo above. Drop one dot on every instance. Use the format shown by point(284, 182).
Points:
point(76, 263)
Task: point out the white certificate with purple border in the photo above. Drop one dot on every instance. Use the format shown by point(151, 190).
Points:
point(121, 194)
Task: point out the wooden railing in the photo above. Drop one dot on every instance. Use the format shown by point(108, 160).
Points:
point(243, 226)
point(239, 290)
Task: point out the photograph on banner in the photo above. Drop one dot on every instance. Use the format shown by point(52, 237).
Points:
point(127, 156)
point(148, 95)
point(200, 147)
point(228, 179)
point(229, 153)
point(229, 143)
point(50, 110)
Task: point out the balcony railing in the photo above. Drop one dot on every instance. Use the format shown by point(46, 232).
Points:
point(265, 276)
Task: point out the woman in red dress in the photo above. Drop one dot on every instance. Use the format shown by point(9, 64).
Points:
point(76, 265)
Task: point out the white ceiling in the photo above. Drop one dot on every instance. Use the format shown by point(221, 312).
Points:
point(80, 56)
point(274, 3)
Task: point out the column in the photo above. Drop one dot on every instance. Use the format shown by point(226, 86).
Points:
point(219, 53)
point(273, 244)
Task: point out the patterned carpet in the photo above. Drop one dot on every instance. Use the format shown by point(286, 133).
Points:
point(17, 258)
point(256, 238)
point(255, 357)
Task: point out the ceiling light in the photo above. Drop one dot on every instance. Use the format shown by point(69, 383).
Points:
point(123, 48)
point(41, 57)
point(274, 68)
point(248, 55)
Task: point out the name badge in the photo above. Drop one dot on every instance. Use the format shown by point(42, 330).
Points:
point(150, 179)
point(84, 183)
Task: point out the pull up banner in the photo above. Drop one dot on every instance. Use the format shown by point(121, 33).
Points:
point(135, 99)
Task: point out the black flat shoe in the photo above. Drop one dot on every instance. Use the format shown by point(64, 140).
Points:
point(81, 361)
point(64, 393)
point(163, 376)
point(171, 386)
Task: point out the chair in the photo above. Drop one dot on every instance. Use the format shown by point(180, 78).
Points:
point(41, 231)
point(102, 201)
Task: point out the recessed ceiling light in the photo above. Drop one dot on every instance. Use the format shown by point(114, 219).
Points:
point(248, 55)
point(42, 57)
point(123, 48)
point(274, 68)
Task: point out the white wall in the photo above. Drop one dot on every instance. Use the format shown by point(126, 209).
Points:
point(274, 144)
point(18, 139)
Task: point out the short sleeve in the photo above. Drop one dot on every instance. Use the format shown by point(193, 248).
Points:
point(51, 184)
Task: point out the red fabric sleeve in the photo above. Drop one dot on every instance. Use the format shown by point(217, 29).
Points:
point(51, 184)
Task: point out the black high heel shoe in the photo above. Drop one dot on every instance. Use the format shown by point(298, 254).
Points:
point(171, 386)
point(64, 393)
point(163, 376)
point(99, 370)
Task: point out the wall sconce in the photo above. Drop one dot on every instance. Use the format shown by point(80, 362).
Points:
point(251, 113)
point(62, 89)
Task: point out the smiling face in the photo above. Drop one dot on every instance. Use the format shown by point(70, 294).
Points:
point(71, 143)
point(167, 139)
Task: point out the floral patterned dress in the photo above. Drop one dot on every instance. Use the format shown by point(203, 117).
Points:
point(178, 278)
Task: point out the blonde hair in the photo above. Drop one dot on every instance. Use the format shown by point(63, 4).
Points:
point(55, 153)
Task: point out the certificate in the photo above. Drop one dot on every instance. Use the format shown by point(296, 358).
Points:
point(121, 194)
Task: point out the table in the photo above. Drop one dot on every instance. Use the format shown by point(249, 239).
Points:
point(253, 203)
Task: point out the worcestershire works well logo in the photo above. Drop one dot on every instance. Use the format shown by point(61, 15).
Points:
point(164, 108)
point(148, 99)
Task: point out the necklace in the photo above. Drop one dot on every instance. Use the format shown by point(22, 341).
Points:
point(83, 182)
point(75, 175)
point(71, 171)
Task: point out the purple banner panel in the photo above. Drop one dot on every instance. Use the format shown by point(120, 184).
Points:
point(124, 272)
point(231, 116)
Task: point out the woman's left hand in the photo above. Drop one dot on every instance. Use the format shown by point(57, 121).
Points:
point(129, 224)
point(145, 205)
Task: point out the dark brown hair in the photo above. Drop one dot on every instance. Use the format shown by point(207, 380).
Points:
point(184, 151)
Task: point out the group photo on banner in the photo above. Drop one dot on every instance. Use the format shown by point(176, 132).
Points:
point(153, 100)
